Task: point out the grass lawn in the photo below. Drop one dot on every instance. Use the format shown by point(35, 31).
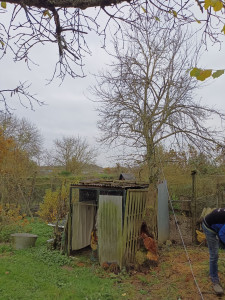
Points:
point(38, 273)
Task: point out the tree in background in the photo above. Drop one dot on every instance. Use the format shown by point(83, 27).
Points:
point(21, 145)
point(5, 145)
point(147, 97)
point(25, 134)
point(220, 158)
point(73, 153)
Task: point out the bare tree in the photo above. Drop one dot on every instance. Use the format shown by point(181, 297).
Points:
point(147, 97)
point(73, 153)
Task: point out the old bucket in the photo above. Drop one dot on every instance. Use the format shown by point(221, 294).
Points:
point(23, 240)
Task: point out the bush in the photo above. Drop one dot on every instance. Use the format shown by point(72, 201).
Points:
point(55, 205)
point(11, 221)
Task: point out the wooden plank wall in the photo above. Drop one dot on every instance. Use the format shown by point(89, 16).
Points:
point(133, 218)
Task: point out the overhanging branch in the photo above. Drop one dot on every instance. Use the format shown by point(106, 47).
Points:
point(82, 4)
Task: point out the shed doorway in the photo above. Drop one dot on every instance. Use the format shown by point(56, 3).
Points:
point(109, 228)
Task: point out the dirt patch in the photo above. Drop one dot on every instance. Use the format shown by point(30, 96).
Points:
point(67, 268)
point(185, 227)
point(173, 277)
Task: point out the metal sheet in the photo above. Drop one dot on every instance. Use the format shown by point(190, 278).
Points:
point(163, 212)
point(82, 225)
point(109, 228)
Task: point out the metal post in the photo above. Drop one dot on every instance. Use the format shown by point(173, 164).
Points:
point(193, 205)
point(69, 241)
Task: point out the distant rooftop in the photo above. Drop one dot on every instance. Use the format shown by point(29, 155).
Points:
point(127, 176)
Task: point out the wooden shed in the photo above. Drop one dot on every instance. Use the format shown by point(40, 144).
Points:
point(116, 209)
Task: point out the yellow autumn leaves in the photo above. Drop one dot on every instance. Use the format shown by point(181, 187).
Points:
point(3, 4)
point(217, 5)
point(200, 236)
point(201, 74)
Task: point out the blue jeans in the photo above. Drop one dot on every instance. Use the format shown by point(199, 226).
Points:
point(213, 245)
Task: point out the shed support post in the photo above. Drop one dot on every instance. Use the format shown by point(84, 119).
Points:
point(193, 206)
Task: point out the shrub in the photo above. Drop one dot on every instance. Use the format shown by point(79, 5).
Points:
point(11, 221)
point(55, 205)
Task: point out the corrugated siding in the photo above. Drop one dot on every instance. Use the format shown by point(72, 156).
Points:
point(133, 218)
point(110, 229)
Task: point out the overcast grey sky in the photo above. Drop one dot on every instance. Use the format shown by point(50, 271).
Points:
point(68, 111)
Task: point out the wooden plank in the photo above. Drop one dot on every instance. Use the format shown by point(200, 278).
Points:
point(134, 212)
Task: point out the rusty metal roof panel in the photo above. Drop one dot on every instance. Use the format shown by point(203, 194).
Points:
point(117, 184)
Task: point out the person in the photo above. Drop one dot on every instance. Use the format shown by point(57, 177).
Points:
point(213, 226)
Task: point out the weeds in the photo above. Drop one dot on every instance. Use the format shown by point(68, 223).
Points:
point(51, 258)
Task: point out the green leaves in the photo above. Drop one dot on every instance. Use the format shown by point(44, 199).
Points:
point(218, 73)
point(201, 74)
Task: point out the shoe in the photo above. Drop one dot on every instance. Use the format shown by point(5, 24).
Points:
point(218, 289)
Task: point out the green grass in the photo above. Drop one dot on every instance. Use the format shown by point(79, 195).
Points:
point(26, 277)
point(38, 273)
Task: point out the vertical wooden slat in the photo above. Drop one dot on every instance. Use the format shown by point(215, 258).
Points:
point(133, 217)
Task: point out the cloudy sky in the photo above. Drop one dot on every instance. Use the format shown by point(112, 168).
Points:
point(67, 110)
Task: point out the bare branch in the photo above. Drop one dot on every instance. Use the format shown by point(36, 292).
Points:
point(21, 92)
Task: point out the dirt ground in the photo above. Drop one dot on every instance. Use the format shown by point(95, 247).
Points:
point(173, 277)
point(182, 272)
point(179, 275)
point(185, 227)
